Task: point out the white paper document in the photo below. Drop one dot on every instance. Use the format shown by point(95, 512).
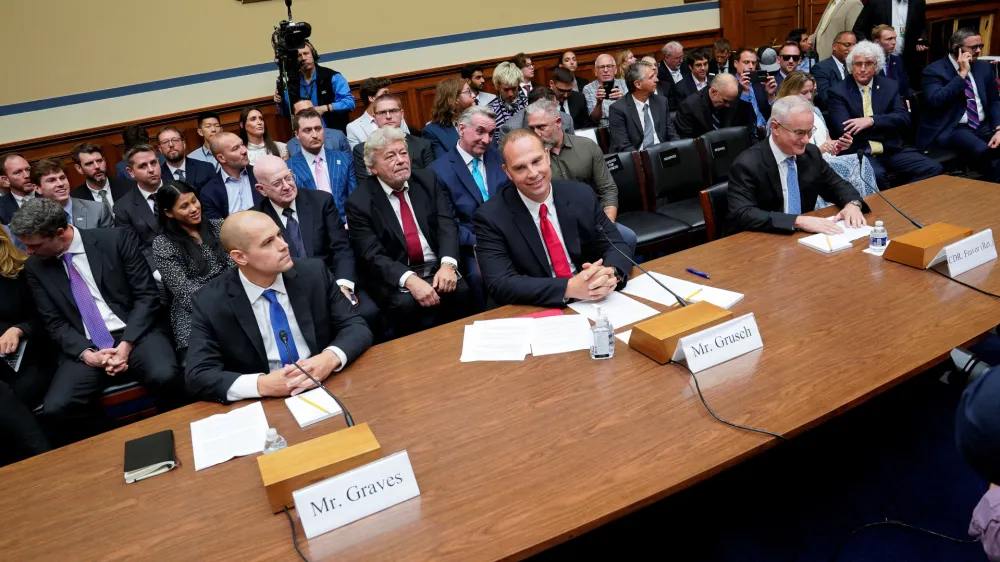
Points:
point(313, 406)
point(507, 339)
point(619, 309)
point(836, 242)
point(237, 433)
point(643, 286)
point(560, 334)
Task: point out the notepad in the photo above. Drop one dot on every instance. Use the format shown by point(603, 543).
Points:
point(148, 456)
point(826, 243)
point(218, 438)
point(643, 286)
point(312, 407)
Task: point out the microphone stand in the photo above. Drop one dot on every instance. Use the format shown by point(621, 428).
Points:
point(283, 335)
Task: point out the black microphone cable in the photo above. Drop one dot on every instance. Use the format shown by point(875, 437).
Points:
point(295, 538)
point(680, 301)
point(890, 523)
point(283, 335)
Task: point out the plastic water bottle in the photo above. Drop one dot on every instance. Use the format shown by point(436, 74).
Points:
point(274, 442)
point(879, 239)
point(604, 338)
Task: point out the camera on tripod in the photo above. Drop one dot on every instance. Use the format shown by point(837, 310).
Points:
point(289, 36)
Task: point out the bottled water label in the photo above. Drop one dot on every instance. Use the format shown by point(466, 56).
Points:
point(879, 242)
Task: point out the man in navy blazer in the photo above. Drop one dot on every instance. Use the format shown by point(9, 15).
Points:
point(832, 71)
point(545, 242)
point(339, 179)
point(876, 125)
point(177, 166)
point(231, 190)
point(954, 119)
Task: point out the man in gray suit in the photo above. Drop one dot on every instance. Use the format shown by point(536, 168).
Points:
point(520, 120)
point(53, 184)
point(840, 15)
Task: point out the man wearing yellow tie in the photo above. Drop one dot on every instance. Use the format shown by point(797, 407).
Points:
point(867, 106)
point(839, 15)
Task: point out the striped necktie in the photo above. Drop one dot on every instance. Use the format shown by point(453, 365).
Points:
point(971, 109)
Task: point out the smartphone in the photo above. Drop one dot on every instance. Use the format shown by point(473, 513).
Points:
point(761, 76)
point(608, 86)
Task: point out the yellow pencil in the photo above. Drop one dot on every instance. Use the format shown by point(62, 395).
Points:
point(692, 295)
point(313, 404)
point(828, 244)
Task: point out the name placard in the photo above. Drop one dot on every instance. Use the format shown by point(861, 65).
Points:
point(719, 344)
point(968, 253)
point(356, 494)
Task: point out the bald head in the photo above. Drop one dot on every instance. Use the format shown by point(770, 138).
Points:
point(725, 91)
point(221, 140)
point(254, 242)
point(236, 230)
point(230, 152)
point(267, 168)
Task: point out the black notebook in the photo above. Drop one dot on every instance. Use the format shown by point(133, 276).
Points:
point(148, 456)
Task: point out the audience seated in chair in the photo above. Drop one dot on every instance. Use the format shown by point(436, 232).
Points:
point(789, 58)
point(545, 242)
point(402, 228)
point(833, 71)
point(523, 63)
point(519, 120)
point(453, 96)
point(133, 135)
point(251, 323)
point(15, 176)
point(642, 118)
point(136, 210)
point(672, 70)
point(317, 166)
point(508, 79)
point(88, 159)
point(723, 59)
point(885, 36)
point(760, 95)
point(472, 74)
point(567, 60)
point(209, 125)
point(695, 81)
point(177, 166)
point(389, 112)
point(52, 184)
point(359, 129)
point(254, 134)
point(717, 107)
point(570, 101)
point(231, 190)
point(331, 137)
point(604, 91)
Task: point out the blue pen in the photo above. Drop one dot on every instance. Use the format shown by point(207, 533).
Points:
point(698, 273)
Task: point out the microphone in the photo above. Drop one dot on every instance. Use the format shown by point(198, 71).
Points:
point(680, 301)
point(861, 164)
point(283, 335)
point(969, 367)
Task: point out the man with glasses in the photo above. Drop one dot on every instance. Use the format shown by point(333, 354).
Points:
point(716, 107)
point(359, 129)
point(789, 58)
point(868, 107)
point(317, 166)
point(962, 104)
point(758, 203)
point(209, 125)
point(569, 101)
point(599, 97)
point(178, 167)
point(389, 111)
point(523, 62)
point(672, 69)
point(832, 71)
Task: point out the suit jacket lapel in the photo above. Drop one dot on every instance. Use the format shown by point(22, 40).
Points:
point(95, 259)
point(493, 163)
point(421, 210)
point(240, 306)
point(306, 224)
point(773, 175)
point(79, 214)
point(633, 113)
point(302, 309)
point(463, 173)
point(384, 208)
point(526, 226)
point(142, 207)
point(854, 96)
point(706, 111)
point(659, 120)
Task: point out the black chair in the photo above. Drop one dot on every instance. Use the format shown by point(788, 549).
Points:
point(721, 149)
point(651, 229)
point(715, 205)
point(676, 174)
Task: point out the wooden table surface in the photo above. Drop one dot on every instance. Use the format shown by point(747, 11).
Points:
point(512, 458)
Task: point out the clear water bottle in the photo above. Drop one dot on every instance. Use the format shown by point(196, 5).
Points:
point(879, 239)
point(274, 442)
point(604, 338)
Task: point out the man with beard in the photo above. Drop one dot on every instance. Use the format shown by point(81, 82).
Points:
point(15, 176)
point(51, 183)
point(406, 239)
point(473, 74)
point(507, 78)
point(327, 89)
point(177, 166)
point(89, 161)
point(231, 190)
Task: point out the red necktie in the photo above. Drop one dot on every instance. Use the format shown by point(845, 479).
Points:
point(552, 245)
point(413, 249)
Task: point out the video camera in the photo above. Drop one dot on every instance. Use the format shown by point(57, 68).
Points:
point(289, 36)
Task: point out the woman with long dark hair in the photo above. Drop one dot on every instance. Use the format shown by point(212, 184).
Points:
point(453, 96)
point(187, 254)
point(253, 131)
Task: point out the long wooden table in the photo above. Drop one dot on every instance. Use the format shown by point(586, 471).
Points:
point(512, 458)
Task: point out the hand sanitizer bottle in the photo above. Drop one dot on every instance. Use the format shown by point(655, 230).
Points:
point(604, 338)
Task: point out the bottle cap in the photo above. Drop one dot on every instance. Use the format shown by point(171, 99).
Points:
point(271, 432)
point(878, 223)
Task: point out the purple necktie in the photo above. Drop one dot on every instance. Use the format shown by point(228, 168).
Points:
point(87, 306)
point(970, 104)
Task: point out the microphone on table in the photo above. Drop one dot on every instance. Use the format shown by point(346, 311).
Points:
point(968, 367)
point(680, 301)
point(861, 164)
point(283, 335)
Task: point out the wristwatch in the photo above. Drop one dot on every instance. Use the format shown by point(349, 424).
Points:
point(855, 202)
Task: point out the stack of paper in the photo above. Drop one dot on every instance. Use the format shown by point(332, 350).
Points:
point(619, 309)
point(829, 243)
point(507, 339)
point(218, 438)
point(313, 406)
point(643, 286)
point(560, 334)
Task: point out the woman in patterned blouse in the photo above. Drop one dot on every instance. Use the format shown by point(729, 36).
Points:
point(188, 253)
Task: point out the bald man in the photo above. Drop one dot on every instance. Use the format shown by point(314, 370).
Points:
point(251, 323)
point(232, 189)
point(716, 107)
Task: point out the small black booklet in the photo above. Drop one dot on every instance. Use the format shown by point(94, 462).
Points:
point(148, 456)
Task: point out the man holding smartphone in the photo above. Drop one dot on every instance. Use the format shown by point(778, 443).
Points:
point(759, 94)
point(604, 91)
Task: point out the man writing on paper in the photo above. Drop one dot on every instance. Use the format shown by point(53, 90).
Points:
point(772, 183)
point(542, 241)
point(243, 318)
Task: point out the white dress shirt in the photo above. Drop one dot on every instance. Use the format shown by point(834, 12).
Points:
point(975, 92)
point(246, 385)
point(429, 254)
point(483, 98)
point(700, 85)
point(533, 208)
point(468, 158)
point(639, 107)
point(780, 157)
point(676, 74)
point(359, 129)
point(20, 200)
point(311, 161)
point(82, 265)
point(145, 195)
point(95, 193)
point(899, 9)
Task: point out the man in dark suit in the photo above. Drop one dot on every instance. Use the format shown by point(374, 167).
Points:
point(88, 159)
point(832, 71)
point(231, 190)
point(716, 107)
point(696, 80)
point(642, 118)
point(723, 60)
point(672, 69)
point(389, 112)
point(760, 95)
point(912, 29)
point(97, 298)
point(310, 225)
point(177, 166)
point(15, 176)
point(544, 242)
point(962, 106)
point(251, 324)
point(135, 210)
point(402, 228)
point(885, 36)
point(868, 107)
point(772, 183)
point(569, 101)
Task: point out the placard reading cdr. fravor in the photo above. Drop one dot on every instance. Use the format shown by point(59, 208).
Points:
point(719, 343)
point(356, 494)
point(968, 253)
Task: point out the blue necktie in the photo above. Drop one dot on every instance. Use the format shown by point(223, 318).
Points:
point(279, 323)
point(794, 198)
point(478, 177)
point(295, 233)
point(752, 98)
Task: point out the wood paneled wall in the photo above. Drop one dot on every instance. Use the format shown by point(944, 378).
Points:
point(416, 89)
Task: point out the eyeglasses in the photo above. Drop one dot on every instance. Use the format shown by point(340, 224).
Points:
point(169, 142)
point(975, 47)
point(396, 111)
point(466, 92)
point(289, 180)
point(606, 67)
point(864, 64)
point(789, 58)
point(808, 133)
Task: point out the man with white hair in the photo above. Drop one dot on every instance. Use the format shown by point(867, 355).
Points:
point(405, 238)
point(604, 91)
point(716, 107)
point(868, 107)
point(511, 99)
point(772, 183)
point(672, 69)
